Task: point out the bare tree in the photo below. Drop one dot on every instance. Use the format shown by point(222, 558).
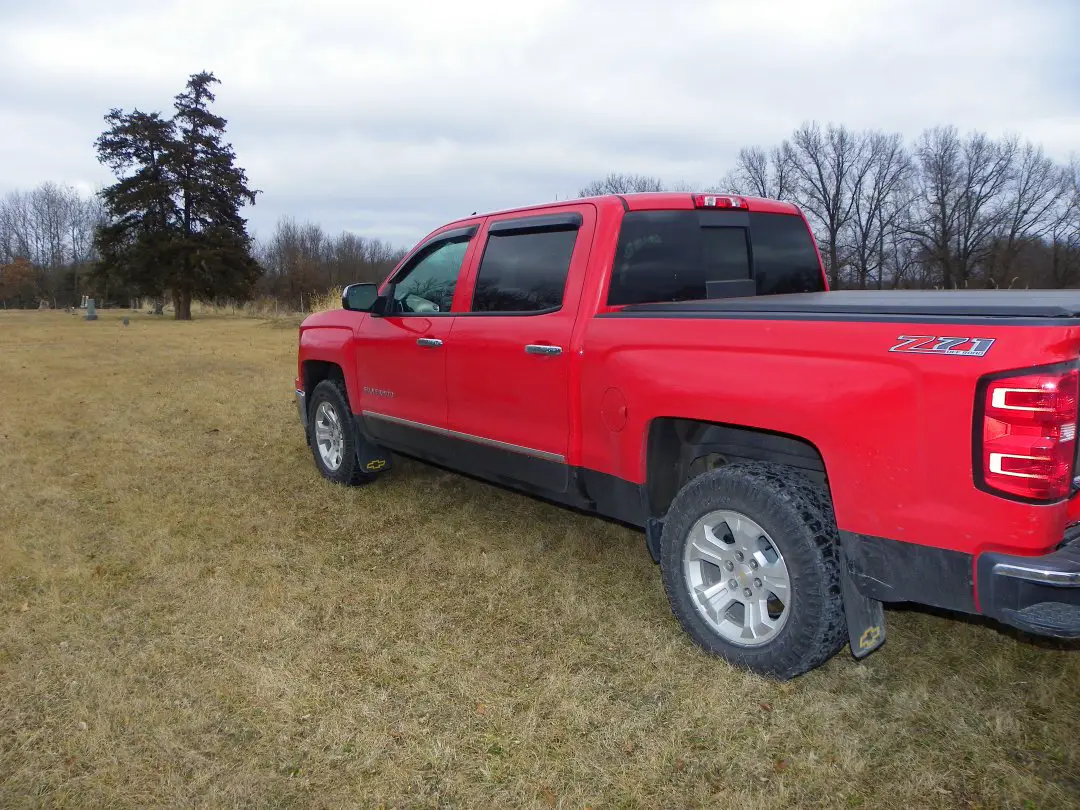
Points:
point(823, 163)
point(961, 197)
point(51, 227)
point(300, 259)
point(616, 183)
point(939, 157)
point(1064, 233)
point(987, 169)
point(880, 190)
point(759, 173)
point(1032, 207)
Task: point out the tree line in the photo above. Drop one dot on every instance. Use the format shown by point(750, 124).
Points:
point(300, 259)
point(945, 211)
point(47, 254)
point(47, 244)
point(170, 225)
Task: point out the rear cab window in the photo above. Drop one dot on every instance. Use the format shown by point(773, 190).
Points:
point(693, 255)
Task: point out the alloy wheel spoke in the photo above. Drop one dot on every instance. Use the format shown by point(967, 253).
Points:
point(329, 436)
point(756, 621)
point(746, 534)
point(706, 547)
point(717, 598)
point(777, 582)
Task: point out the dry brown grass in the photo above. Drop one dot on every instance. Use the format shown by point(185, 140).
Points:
point(331, 299)
point(192, 617)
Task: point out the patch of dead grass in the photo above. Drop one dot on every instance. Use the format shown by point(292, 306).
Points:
point(191, 616)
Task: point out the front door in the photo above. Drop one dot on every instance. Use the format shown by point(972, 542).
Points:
point(401, 357)
point(508, 355)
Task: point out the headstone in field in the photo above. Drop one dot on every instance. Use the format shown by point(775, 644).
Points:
point(91, 310)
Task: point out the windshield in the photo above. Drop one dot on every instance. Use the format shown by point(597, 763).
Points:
point(675, 255)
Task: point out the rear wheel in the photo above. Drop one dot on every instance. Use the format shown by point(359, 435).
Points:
point(751, 568)
point(333, 437)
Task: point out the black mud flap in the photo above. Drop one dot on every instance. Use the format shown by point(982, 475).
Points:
point(654, 530)
point(372, 458)
point(865, 616)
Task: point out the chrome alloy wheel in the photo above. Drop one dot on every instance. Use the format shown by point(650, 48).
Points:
point(329, 436)
point(737, 578)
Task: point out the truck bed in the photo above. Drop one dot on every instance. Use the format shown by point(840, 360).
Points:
point(883, 304)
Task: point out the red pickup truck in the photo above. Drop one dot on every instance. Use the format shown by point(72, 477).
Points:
point(796, 457)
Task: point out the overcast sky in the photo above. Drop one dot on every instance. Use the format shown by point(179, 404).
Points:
point(390, 118)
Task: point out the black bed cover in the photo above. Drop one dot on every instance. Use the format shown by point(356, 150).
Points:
point(868, 303)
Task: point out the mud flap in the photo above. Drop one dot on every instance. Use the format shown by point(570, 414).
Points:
point(865, 616)
point(372, 458)
point(654, 530)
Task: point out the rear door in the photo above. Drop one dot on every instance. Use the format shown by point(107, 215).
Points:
point(508, 355)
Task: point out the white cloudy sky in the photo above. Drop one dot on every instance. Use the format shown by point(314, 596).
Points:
point(388, 118)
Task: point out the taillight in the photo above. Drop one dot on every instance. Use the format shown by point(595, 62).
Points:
point(1028, 434)
point(718, 201)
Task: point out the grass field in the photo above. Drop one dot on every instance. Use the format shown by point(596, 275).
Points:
point(192, 617)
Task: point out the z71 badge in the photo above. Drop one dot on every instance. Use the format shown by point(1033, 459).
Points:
point(955, 346)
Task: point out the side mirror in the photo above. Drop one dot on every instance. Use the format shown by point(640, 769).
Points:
point(384, 304)
point(359, 297)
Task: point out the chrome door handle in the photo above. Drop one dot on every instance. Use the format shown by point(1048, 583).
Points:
point(431, 343)
point(543, 349)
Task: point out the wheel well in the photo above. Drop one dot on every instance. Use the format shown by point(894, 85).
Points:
point(679, 449)
point(315, 371)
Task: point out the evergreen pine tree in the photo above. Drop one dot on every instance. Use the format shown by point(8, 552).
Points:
point(175, 222)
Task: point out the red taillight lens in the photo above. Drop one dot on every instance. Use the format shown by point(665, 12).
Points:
point(1029, 434)
point(718, 201)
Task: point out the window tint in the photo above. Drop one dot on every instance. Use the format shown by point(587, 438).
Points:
point(785, 260)
point(658, 258)
point(428, 286)
point(671, 255)
point(724, 254)
point(524, 272)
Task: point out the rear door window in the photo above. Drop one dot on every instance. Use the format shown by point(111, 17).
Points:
point(680, 255)
point(524, 271)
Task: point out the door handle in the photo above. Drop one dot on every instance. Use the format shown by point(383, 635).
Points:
point(431, 343)
point(543, 349)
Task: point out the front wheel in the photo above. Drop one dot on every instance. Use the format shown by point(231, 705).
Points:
point(751, 568)
point(333, 437)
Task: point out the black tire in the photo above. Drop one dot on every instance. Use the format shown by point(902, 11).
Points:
point(349, 472)
point(798, 519)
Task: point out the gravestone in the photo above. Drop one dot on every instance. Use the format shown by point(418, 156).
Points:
point(91, 310)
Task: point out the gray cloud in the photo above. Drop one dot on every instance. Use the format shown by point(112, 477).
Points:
point(389, 119)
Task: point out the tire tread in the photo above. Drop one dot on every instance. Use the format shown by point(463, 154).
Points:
point(784, 495)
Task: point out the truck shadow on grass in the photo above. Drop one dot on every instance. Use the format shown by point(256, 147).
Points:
point(411, 471)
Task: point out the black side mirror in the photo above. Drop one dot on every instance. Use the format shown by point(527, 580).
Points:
point(360, 297)
point(384, 304)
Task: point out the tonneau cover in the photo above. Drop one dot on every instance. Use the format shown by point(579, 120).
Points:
point(867, 303)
